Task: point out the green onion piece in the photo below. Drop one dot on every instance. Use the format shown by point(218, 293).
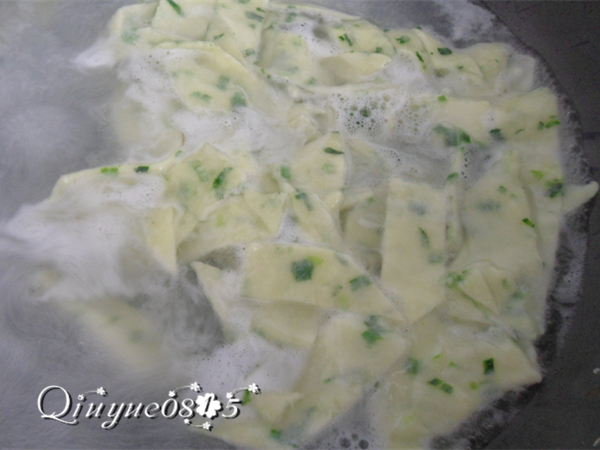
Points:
point(222, 83)
point(218, 36)
point(488, 366)
point(246, 398)
point(442, 98)
point(220, 180)
point(474, 385)
point(142, 169)
point(253, 16)
point(110, 170)
point(413, 366)
point(419, 56)
point(447, 388)
point(365, 112)
point(371, 336)
point(489, 205)
point(436, 258)
point(424, 238)
point(538, 174)
point(519, 130)
point(497, 134)
point(249, 51)
point(435, 382)
point(333, 151)
point(453, 278)
point(275, 434)
point(403, 39)
point(444, 51)
point(555, 188)
point(359, 282)
point(302, 269)
point(290, 17)
point(541, 125)
point(302, 196)
point(176, 7)
point(502, 189)
point(286, 172)
point(238, 99)
point(452, 176)
point(200, 96)
point(528, 222)
point(378, 50)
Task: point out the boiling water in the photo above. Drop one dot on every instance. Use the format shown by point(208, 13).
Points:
point(56, 101)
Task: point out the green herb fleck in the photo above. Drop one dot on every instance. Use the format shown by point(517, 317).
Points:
point(302, 196)
point(333, 151)
point(250, 51)
point(316, 260)
point(555, 188)
point(519, 130)
point(110, 170)
point(442, 98)
point(365, 112)
point(537, 174)
point(497, 134)
point(253, 16)
point(502, 189)
point(378, 50)
point(474, 385)
point(246, 398)
point(303, 269)
point(436, 258)
point(452, 136)
point(223, 82)
point(238, 99)
point(488, 366)
point(371, 336)
point(200, 96)
point(452, 176)
point(403, 39)
point(419, 56)
point(528, 222)
point(220, 180)
point(218, 36)
point(142, 169)
point(444, 51)
point(541, 125)
point(290, 17)
point(424, 238)
point(453, 278)
point(488, 205)
point(275, 434)
point(176, 7)
point(453, 364)
point(286, 172)
point(435, 382)
point(373, 332)
point(260, 10)
point(359, 282)
point(346, 38)
point(328, 168)
point(443, 386)
point(413, 366)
